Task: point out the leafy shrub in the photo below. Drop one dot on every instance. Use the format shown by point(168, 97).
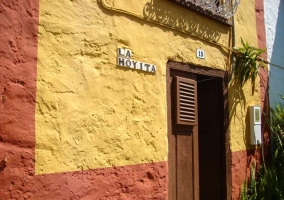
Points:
point(247, 63)
point(269, 183)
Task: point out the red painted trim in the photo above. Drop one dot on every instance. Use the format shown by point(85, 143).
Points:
point(18, 61)
point(261, 36)
point(260, 25)
point(241, 165)
point(145, 181)
point(261, 39)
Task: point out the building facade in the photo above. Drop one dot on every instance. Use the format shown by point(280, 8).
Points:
point(92, 96)
point(274, 23)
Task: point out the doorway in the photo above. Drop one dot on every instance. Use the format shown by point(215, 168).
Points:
point(198, 167)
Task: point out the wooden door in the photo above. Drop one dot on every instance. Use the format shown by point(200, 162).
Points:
point(211, 141)
point(199, 159)
point(182, 136)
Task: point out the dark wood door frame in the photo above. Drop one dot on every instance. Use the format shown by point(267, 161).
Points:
point(225, 129)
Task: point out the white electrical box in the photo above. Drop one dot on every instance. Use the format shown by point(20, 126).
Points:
point(255, 125)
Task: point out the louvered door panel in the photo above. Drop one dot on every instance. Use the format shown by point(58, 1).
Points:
point(186, 101)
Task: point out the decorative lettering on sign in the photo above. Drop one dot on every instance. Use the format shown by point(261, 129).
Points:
point(124, 60)
point(126, 53)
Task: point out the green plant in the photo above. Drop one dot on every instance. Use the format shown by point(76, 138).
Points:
point(251, 192)
point(276, 168)
point(247, 63)
point(270, 178)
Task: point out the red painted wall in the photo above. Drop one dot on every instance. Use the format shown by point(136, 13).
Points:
point(259, 8)
point(18, 54)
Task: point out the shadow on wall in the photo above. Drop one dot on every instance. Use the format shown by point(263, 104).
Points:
point(276, 80)
point(172, 16)
point(237, 98)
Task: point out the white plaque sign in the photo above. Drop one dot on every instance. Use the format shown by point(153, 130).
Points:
point(200, 53)
point(124, 60)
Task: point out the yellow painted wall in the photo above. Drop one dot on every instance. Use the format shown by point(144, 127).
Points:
point(90, 113)
point(240, 99)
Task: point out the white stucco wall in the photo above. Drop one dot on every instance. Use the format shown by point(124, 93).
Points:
point(274, 23)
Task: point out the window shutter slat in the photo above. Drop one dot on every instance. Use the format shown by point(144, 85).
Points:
point(186, 101)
